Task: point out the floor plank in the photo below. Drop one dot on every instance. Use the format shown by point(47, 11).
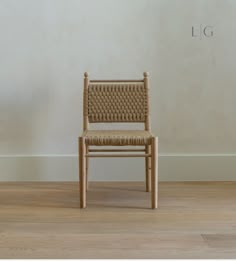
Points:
point(43, 220)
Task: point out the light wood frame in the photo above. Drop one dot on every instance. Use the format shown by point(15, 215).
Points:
point(150, 151)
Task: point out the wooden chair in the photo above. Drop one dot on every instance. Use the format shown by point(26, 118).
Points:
point(120, 101)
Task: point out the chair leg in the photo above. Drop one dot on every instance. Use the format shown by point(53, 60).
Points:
point(82, 172)
point(147, 167)
point(87, 167)
point(154, 172)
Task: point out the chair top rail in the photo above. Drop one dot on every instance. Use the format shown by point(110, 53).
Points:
point(114, 81)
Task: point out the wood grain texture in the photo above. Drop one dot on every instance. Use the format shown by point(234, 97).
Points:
point(43, 220)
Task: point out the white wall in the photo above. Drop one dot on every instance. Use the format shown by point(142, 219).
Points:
point(46, 45)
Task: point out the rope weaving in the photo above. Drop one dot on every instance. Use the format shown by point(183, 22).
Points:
point(117, 138)
point(126, 102)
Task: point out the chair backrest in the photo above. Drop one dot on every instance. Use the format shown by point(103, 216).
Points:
point(116, 101)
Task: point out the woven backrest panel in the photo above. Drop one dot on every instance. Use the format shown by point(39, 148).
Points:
point(117, 102)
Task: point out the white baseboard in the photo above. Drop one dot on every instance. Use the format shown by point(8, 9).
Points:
point(202, 167)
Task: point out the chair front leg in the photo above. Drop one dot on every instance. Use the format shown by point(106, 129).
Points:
point(154, 172)
point(147, 167)
point(82, 172)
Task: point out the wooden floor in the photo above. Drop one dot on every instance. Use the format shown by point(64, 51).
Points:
point(43, 220)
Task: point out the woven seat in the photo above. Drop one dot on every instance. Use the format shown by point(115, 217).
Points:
point(117, 138)
point(117, 101)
